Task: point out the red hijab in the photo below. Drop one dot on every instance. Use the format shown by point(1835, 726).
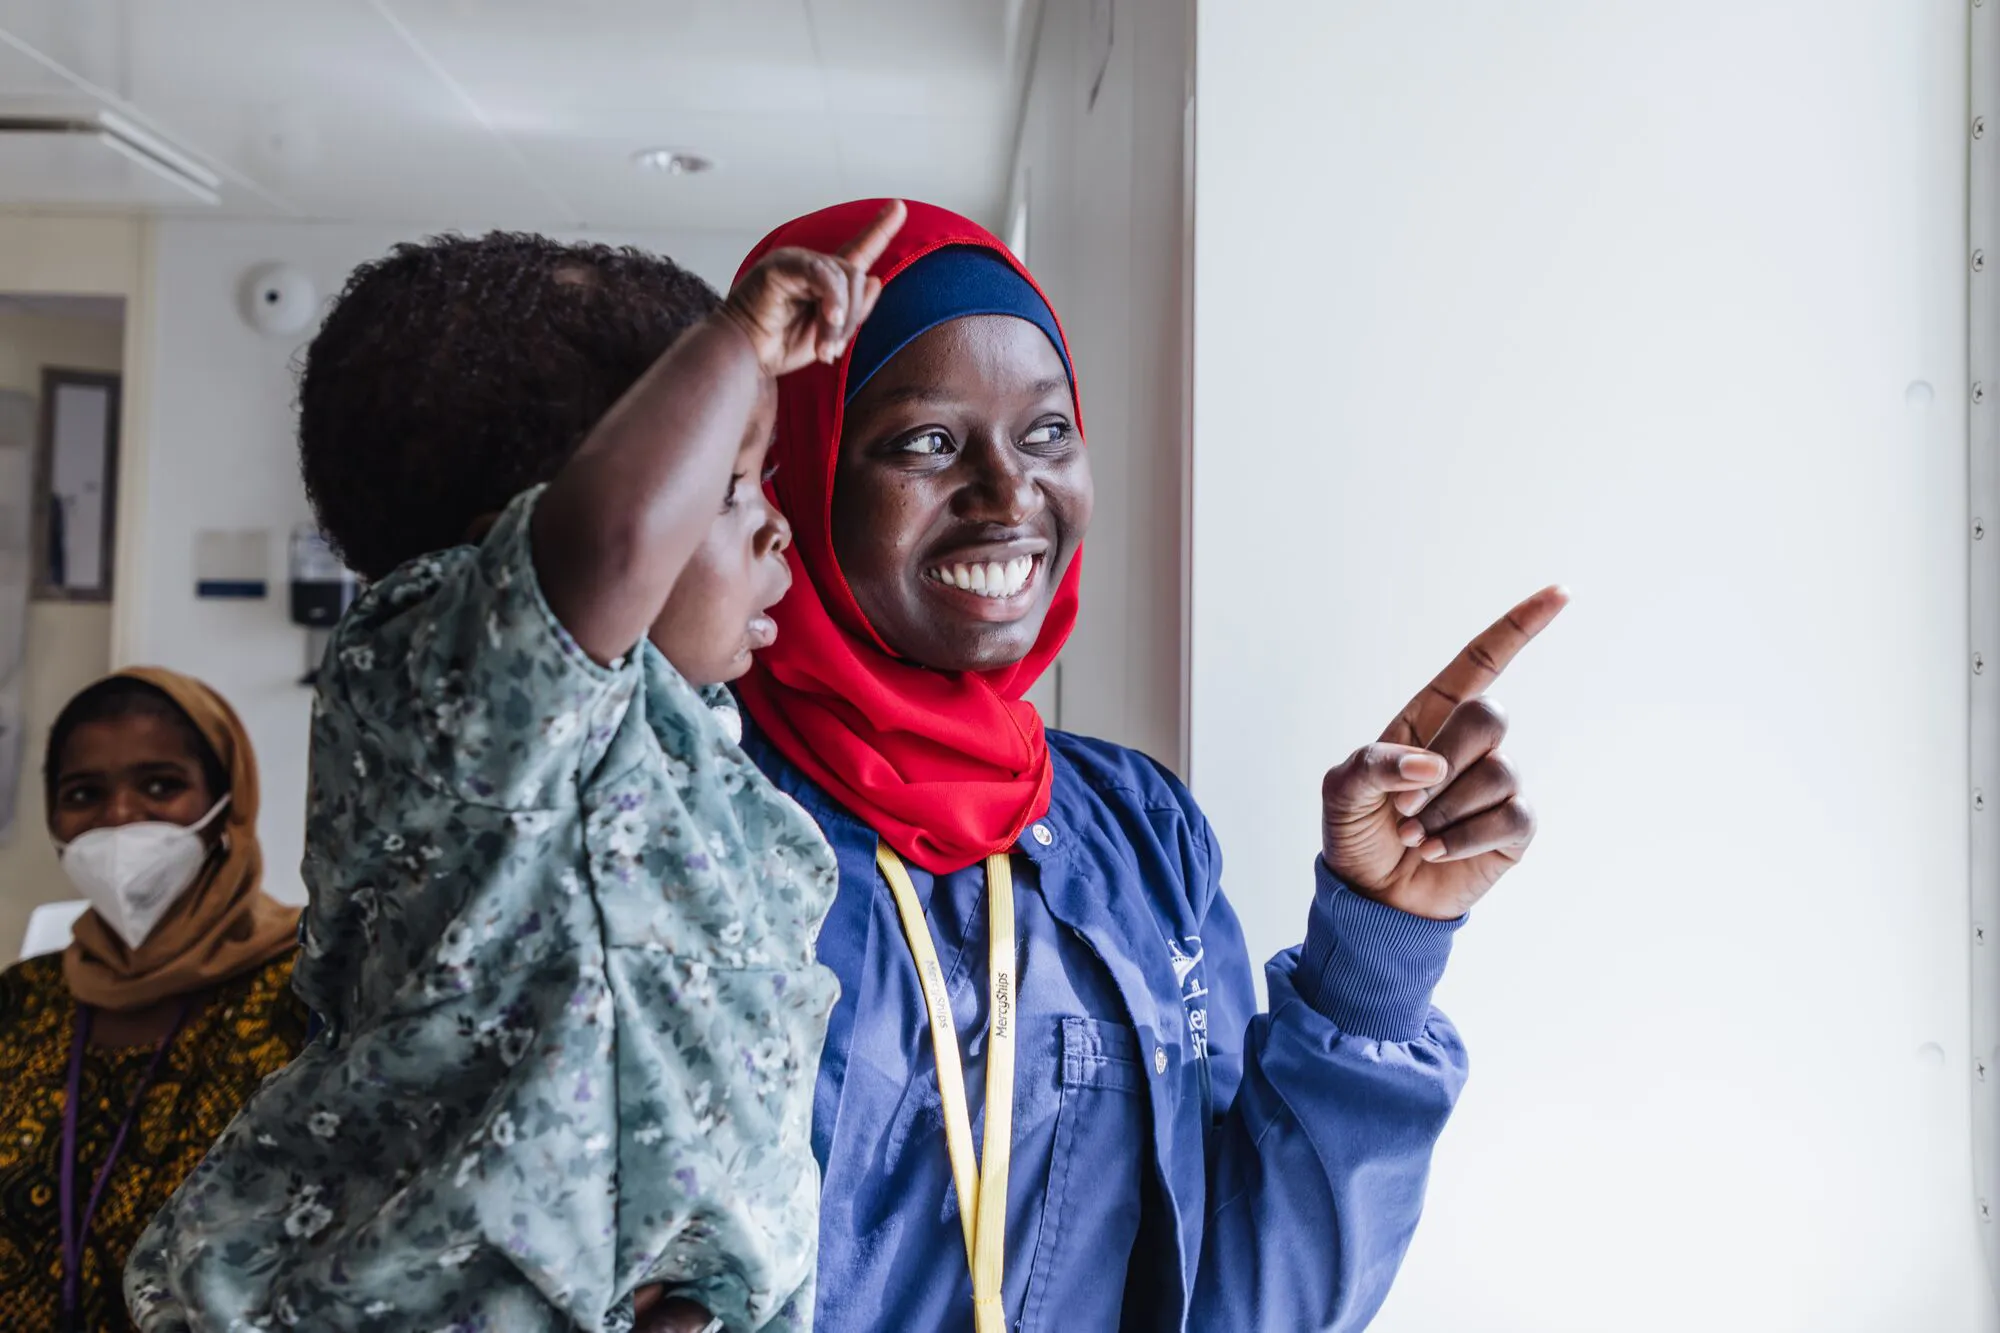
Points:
point(947, 767)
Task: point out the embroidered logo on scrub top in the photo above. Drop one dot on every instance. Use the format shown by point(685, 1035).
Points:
point(1187, 974)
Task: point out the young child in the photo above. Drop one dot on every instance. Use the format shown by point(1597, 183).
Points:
point(561, 931)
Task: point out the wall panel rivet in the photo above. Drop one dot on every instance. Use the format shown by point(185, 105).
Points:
point(1978, 529)
point(1978, 933)
point(1985, 1211)
point(1979, 664)
point(1978, 261)
point(1979, 127)
point(1979, 1070)
point(1978, 799)
point(1978, 393)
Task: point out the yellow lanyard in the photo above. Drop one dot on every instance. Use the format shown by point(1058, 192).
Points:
point(982, 1186)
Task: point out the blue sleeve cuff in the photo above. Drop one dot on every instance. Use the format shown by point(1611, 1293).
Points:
point(1369, 967)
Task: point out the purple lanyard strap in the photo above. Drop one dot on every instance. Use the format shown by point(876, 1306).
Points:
point(74, 1229)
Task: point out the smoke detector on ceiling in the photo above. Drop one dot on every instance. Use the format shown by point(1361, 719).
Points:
point(278, 299)
point(671, 161)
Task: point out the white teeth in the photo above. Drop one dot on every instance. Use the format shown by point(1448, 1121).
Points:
point(991, 579)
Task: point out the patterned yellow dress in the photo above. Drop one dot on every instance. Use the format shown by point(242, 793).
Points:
point(252, 1026)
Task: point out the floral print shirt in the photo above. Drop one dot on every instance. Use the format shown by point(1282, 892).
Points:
point(561, 938)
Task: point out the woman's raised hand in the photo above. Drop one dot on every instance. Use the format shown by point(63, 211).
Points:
point(1428, 818)
point(800, 306)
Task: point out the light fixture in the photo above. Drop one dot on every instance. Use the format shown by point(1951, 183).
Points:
point(49, 138)
point(672, 161)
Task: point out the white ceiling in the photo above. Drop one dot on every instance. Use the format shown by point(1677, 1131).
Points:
point(528, 112)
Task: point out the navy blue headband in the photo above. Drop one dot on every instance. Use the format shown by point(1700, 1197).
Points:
point(947, 284)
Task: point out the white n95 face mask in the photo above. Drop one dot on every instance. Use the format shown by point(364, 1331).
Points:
point(133, 873)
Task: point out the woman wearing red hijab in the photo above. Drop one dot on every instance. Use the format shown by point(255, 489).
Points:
point(1048, 1099)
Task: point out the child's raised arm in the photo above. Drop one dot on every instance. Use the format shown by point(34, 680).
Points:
point(620, 521)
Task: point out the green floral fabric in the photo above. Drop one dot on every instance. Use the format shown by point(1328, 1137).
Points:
point(561, 936)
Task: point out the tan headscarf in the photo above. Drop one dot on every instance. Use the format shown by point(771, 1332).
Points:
point(223, 926)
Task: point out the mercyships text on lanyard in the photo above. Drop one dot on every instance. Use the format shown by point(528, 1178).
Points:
point(982, 1185)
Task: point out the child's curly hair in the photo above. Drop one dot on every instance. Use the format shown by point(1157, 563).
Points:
point(452, 375)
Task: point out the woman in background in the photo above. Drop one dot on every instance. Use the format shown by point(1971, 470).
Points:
point(122, 1058)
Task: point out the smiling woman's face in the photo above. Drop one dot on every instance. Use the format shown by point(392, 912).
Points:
point(962, 493)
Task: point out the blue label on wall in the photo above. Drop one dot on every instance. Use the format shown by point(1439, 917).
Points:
point(233, 589)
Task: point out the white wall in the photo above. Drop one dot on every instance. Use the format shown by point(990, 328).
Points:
point(1628, 295)
point(224, 456)
point(1104, 187)
point(68, 643)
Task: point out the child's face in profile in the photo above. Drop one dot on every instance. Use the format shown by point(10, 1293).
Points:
point(715, 617)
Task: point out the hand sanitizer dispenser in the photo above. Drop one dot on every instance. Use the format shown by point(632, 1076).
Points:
point(322, 590)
